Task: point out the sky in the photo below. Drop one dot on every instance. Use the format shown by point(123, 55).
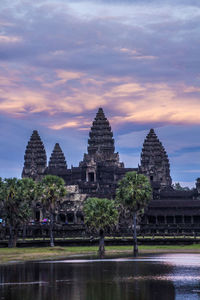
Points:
point(138, 59)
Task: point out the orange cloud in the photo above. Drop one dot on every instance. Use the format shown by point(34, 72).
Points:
point(131, 101)
point(65, 125)
point(159, 103)
point(65, 76)
point(135, 54)
point(9, 39)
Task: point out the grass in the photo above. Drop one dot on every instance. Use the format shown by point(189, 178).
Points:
point(8, 255)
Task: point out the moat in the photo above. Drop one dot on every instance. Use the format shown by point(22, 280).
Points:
point(148, 277)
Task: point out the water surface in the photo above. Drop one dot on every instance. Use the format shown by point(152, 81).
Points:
point(150, 277)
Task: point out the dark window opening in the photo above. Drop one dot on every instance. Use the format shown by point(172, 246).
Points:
point(187, 219)
point(170, 219)
point(151, 177)
point(161, 219)
point(161, 179)
point(70, 218)
point(37, 216)
point(178, 219)
point(152, 220)
point(62, 218)
point(196, 219)
point(91, 177)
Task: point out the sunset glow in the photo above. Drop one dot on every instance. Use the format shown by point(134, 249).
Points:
point(139, 60)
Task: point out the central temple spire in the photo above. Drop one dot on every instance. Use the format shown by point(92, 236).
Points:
point(100, 136)
point(101, 148)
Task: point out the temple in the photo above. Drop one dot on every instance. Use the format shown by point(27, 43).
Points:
point(99, 172)
point(35, 159)
point(155, 162)
point(57, 163)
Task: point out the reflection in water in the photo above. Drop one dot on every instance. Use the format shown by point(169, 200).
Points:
point(162, 277)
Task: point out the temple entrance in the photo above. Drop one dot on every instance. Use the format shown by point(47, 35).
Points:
point(62, 218)
point(70, 218)
point(91, 176)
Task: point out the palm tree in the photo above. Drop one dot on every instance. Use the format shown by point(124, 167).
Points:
point(134, 192)
point(100, 214)
point(52, 190)
point(17, 196)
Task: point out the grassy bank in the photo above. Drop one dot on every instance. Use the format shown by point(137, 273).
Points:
point(29, 254)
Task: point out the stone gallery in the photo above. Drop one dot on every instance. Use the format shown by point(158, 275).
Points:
point(99, 172)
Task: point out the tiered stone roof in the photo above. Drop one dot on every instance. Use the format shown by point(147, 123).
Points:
point(57, 160)
point(35, 159)
point(101, 146)
point(101, 136)
point(154, 160)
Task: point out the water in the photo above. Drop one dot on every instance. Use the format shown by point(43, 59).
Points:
point(151, 277)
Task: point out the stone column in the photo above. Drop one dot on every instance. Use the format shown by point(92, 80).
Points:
point(87, 179)
point(75, 218)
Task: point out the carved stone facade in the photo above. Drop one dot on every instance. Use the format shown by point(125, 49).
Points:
point(100, 170)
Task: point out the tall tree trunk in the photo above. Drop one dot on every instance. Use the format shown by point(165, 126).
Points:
point(10, 242)
point(13, 237)
point(24, 232)
point(51, 231)
point(101, 242)
point(135, 246)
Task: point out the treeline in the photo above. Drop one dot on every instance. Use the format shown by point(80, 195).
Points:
point(19, 196)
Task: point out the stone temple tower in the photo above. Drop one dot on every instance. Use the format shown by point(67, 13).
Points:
point(101, 159)
point(57, 163)
point(154, 161)
point(101, 147)
point(35, 159)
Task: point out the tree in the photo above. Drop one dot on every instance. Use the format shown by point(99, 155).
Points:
point(99, 215)
point(178, 187)
point(52, 190)
point(17, 196)
point(134, 193)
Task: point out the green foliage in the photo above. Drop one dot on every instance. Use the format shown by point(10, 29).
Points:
point(100, 213)
point(178, 187)
point(51, 190)
point(134, 191)
point(17, 196)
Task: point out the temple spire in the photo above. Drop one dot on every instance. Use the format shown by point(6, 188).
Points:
point(101, 136)
point(57, 162)
point(35, 159)
point(154, 160)
point(101, 148)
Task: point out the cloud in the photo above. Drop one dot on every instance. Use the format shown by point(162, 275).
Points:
point(9, 39)
point(77, 92)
